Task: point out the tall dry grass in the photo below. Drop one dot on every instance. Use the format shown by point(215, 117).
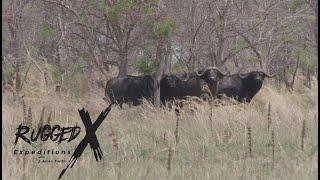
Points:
point(137, 141)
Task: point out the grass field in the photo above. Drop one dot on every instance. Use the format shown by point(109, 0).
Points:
point(143, 142)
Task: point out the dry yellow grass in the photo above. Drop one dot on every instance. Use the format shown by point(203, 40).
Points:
point(144, 135)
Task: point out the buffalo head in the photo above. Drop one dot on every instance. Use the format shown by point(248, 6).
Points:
point(256, 76)
point(211, 76)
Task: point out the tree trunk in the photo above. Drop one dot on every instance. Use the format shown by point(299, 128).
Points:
point(18, 77)
point(308, 78)
point(316, 23)
point(192, 29)
point(4, 80)
point(220, 49)
point(236, 60)
point(316, 31)
point(62, 53)
point(156, 98)
point(286, 68)
point(161, 64)
point(123, 64)
point(18, 60)
point(286, 78)
point(295, 72)
point(168, 56)
point(221, 35)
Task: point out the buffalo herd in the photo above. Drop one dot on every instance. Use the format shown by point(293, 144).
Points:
point(132, 89)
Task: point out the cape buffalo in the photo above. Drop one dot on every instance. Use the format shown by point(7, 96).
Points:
point(174, 87)
point(205, 90)
point(242, 87)
point(129, 89)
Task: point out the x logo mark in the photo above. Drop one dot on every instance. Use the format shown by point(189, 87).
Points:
point(90, 137)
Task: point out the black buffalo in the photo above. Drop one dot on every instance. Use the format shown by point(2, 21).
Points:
point(241, 87)
point(130, 89)
point(205, 90)
point(182, 85)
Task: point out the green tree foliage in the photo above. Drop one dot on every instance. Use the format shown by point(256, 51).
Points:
point(118, 10)
point(146, 66)
point(46, 31)
point(84, 56)
point(149, 9)
point(164, 28)
point(160, 28)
